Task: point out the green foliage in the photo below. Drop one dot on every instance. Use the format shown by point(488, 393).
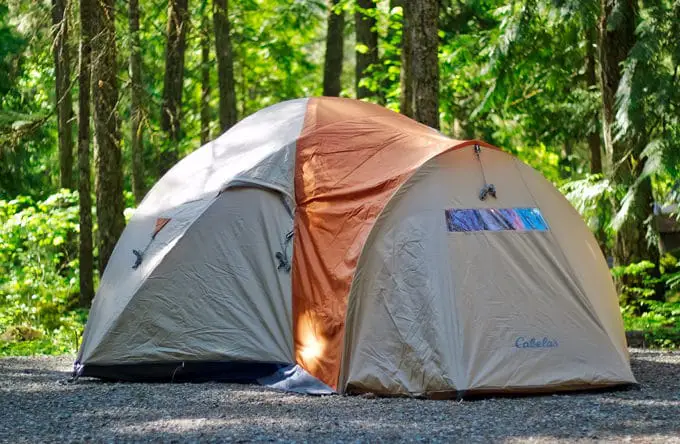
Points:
point(382, 79)
point(513, 74)
point(27, 134)
point(659, 320)
point(39, 275)
point(276, 51)
point(11, 47)
point(638, 281)
point(540, 157)
point(648, 100)
point(592, 197)
point(466, 36)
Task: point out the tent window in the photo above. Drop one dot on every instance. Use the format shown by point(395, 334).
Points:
point(495, 219)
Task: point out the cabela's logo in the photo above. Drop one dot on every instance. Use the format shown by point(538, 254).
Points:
point(544, 342)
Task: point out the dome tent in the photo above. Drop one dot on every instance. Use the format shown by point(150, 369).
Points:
point(330, 245)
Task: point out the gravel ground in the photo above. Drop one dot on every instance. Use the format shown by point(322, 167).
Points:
point(38, 405)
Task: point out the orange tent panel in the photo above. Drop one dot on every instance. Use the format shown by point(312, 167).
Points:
point(160, 223)
point(351, 158)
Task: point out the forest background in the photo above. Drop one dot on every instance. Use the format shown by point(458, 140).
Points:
point(98, 98)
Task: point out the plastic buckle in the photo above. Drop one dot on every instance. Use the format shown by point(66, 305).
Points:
point(488, 190)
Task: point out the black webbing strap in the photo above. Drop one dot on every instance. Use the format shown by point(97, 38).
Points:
point(488, 189)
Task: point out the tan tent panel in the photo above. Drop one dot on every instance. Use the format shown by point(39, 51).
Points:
point(197, 326)
point(478, 310)
point(329, 245)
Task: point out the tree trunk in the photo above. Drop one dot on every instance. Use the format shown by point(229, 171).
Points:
point(86, 248)
point(64, 103)
point(367, 43)
point(566, 163)
point(615, 44)
point(591, 82)
point(595, 152)
point(109, 172)
point(423, 28)
point(225, 65)
point(406, 100)
point(136, 104)
point(616, 40)
point(332, 71)
point(392, 56)
point(178, 22)
point(594, 144)
point(205, 78)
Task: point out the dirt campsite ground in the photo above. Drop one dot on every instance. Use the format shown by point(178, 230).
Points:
point(38, 405)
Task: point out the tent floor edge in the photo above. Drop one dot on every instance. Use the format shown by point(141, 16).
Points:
point(183, 371)
point(510, 392)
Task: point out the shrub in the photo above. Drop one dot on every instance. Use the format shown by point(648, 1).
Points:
point(659, 320)
point(39, 281)
point(39, 275)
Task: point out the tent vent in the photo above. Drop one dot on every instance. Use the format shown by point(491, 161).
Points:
point(488, 189)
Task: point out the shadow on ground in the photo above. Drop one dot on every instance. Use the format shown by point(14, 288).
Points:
point(38, 404)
